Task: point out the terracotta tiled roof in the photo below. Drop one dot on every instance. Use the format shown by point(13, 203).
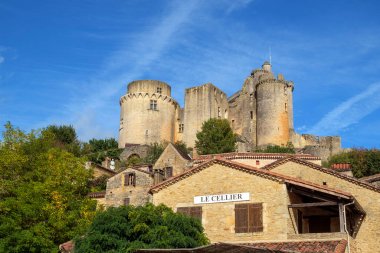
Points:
point(251, 170)
point(341, 167)
point(232, 156)
point(305, 246)
point(324, 170)
point(371, 179)
point(267, 247)
point(67, 247)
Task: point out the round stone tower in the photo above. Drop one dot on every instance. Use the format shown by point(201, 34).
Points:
point(274, 110)
point(147, 113)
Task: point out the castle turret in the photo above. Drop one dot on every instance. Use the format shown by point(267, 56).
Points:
point(147, 114)
point(274, 109)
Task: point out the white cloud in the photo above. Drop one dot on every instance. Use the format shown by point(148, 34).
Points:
point(2, 59)
point(349, 112)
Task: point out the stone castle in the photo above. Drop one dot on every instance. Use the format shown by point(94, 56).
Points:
point(261, 114)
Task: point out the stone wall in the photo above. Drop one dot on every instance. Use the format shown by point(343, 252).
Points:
point(202, 103)
point(218, 219)
point(367, 237)
point(144, 123)
point(171, 158)
point(117, 191)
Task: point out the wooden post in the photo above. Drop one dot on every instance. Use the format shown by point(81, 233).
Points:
point(341, 217)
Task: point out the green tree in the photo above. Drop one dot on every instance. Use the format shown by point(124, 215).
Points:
point(43, 192)
point(215, 137)
point(154, 152)
point(289, 148)
point(127, 228)
point(364, 162)
point(181, 146)
point(96, 150)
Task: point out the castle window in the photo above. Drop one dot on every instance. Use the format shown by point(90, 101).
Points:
point(286, 107)
point(146, 132)
point(181, 127)
point(159, 90)
point(153, 105)
point(226, 114)
point(251, 114)
point(257, 162)
point(130, 179)
point(193, 211)
point(126, 201)
point(248, 218)
point(219, 112)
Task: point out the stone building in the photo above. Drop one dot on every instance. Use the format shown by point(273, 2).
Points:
point(287, 201)
point(261, 113)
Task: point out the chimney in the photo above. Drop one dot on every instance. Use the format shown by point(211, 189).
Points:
point(342, 168)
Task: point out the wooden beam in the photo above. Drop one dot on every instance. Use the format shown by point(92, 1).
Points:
point(326, 203)
point(341, 217)
point(310, 194)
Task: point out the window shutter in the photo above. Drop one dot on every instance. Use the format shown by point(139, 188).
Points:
point(255, 217)
point(196, 212)
point(241, 218)
point(126, 179)
point(134, 179)
point(183, 210)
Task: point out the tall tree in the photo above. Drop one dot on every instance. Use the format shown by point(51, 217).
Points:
point(216, 136)
point(127, 228)
point(43, 192)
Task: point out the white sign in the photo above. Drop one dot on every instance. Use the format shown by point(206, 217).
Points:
point(227, 197)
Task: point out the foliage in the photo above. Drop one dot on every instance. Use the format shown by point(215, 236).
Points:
point(127, 228)
point(215, 137)
point(289, 148)
point(43, 192)
point(154, 152)
point(364, 162)
point(63, 137)
point(181, 146)
point(99, 184)
point(96, 150)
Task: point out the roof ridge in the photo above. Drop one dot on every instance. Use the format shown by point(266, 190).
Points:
point(320, 168)
point(260, 172)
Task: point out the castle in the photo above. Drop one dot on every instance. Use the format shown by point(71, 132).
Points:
point(261, 114)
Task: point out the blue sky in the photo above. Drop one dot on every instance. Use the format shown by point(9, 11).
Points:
point(68, 62)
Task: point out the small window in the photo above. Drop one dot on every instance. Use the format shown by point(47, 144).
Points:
point(251, 114)
point(286, 107)
point(146, 132)
point(130, 179)
point(193, 211)
point(219, 113)
point(153, 105)
point(126, 201)
point(168, 172)
point(248, 218)
point(181, 127)
point(159, 90)
point(257, 162)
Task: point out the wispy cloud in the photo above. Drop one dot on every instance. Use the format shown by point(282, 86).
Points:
point(2, 59)
point(88, 112)
point(349, 112)
point(237, 4)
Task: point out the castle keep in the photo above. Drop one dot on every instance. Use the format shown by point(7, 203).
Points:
point(261, 113)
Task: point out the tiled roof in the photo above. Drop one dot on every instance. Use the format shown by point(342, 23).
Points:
point(67, 247)
point(103, 168)
point(251, 170)
point(305, 246)
point(371, 179)
point(341, 167)
point(232, 156)
point(267, 247)
point(320, 168)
